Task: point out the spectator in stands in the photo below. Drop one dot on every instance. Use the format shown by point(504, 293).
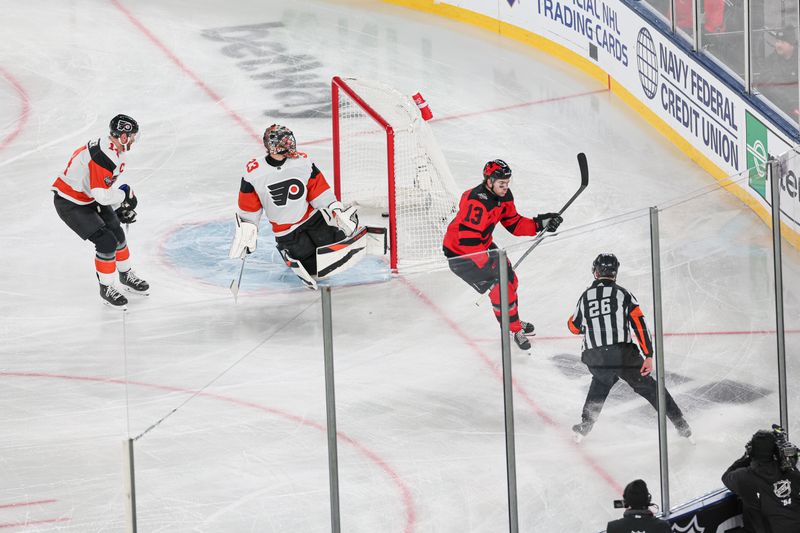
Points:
point(768, 483)
point(637, 516)
point(777, 80)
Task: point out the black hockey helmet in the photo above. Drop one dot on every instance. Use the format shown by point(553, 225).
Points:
point(279, 140)
point(123, 124)
point(497, 169)
point(605, 266)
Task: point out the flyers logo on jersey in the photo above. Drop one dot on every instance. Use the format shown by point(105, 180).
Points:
point(290, 189)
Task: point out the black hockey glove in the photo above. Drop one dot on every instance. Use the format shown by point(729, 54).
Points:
point(548, 222)
point(130, 201)
point(126, 216)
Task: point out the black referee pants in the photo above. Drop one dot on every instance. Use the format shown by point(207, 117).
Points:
point(608, 365)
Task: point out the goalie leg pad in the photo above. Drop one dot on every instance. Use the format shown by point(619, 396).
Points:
point(299, 270)
point(244, 240)
point(339, 256)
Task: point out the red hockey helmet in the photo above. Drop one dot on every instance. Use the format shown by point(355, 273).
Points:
point(496, 169)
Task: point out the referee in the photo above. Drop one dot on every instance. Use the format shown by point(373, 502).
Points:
point(607, 316)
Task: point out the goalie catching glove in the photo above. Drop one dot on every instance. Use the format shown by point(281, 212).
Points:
point(345, 219)
point(244, 240)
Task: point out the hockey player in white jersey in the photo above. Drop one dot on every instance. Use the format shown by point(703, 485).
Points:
point(315, 234)
point(88, 200)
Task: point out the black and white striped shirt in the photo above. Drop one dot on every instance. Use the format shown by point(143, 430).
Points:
point(608, 314)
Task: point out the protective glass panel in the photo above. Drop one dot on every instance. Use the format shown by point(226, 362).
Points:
point(662, 7)
point(553, 383)
point(790, 246)
point(719, 331)
point(774, 56)
point(419, 405)
point(227, 410)
point(64, 421)
point(722, 32)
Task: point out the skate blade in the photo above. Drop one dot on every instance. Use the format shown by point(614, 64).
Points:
point(116, 307)
point(131, 290)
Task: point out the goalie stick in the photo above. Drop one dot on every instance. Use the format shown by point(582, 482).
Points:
point(584, 169)
point(236, 282)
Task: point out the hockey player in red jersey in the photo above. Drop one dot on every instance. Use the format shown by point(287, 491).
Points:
point(468, 240)
point(304, 213)
point(87, 200)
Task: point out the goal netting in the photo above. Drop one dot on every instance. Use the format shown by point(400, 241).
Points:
point(386, 157)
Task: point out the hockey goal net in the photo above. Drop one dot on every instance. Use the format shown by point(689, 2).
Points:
point(386, 158)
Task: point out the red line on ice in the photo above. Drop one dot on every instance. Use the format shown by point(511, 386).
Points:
point(492, 110)
point(521, 392)
point(33, 522)
point(25, 111)
point(23, 504)
point(408, 500)
point(186, 70)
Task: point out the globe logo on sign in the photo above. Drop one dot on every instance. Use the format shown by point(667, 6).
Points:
point(760, 156)
point(647, 62)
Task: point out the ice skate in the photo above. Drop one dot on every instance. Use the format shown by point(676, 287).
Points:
point(521, 340)
point(112, 297)
point(527, 328)
point(133, 283)
point(581, 430)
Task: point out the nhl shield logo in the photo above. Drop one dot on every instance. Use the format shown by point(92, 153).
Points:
point(691, 527)
point(782, 488)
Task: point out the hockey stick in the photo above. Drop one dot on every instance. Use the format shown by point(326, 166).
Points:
point(236, 282)
point(584, 169)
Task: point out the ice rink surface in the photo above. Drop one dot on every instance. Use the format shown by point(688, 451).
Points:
point(226, 401)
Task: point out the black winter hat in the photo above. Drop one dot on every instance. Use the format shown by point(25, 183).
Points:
point(636, 495)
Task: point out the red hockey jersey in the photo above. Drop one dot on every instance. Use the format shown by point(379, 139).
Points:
point(479, 211)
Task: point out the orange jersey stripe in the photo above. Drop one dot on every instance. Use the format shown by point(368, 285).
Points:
point(572, 327)
point(278, 228)
point(248, 201)
point(98, 175)
point(64, 188)
point(123, 254)
point(316, 186)
point(637, 315)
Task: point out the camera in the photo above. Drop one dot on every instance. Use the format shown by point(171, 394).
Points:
point(787, 452)
point(619, 504)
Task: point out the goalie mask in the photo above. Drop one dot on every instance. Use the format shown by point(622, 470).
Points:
point(496, 170)
point(279, 140)
point(124, 129)
point(605, 266)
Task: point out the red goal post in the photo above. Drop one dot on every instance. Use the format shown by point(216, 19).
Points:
point(385, 159)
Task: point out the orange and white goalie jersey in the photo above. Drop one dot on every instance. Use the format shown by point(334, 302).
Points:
point(90, 174)
point(289, 194)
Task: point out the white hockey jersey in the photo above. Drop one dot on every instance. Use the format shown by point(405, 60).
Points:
point(90, 173)
point(289, 194)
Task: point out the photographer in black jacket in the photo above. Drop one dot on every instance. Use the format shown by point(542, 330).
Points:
point(768, 483)
point(637, 516)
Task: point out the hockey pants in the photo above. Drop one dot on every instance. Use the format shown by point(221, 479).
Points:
point(486, 278)
point(302, 243)
point(610, 363)
point(100, 225)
